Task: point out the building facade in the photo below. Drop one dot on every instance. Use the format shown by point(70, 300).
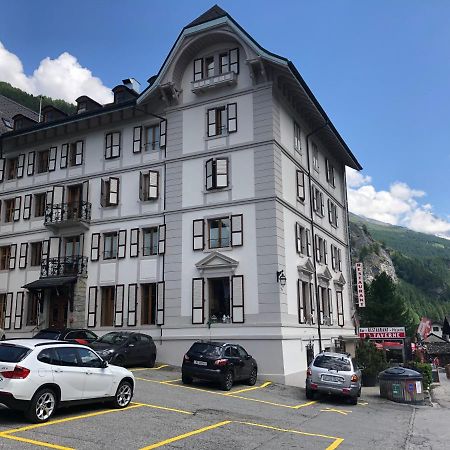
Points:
point(210, 206)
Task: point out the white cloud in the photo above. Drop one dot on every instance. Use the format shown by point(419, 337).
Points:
point(63, 78)
point(398, 206)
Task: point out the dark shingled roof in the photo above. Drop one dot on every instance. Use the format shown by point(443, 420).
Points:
point(213, 13)
point(9, 108)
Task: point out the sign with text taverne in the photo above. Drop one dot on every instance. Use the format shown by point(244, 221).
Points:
point(382, 333)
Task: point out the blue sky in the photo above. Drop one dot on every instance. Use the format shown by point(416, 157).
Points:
point(381, 70)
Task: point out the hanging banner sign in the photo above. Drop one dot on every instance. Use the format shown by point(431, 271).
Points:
point(382, 333)
point(360, 285)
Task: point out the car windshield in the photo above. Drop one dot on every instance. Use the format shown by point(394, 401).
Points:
point(332, 362)
point(113, 338)
point(206, 349)
point(12, 353)
point(47, 334)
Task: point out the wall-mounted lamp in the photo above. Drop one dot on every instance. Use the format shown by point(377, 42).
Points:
point(281, 278)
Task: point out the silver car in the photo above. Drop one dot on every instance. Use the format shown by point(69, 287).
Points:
point(334, 374)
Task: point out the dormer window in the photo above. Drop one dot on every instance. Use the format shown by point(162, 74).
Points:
point(18, 124)
point(49, 116)
point(82, 107)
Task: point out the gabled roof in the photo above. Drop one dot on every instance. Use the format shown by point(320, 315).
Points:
point(213, 13)
point(216, 260)
point(9, 108)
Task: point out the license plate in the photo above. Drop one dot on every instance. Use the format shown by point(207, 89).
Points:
point(201, 363)
point(331, 378)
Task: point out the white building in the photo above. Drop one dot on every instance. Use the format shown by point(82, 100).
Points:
point(211, 205)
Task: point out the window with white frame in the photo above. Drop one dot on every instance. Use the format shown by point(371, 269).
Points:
point(218, 232)
point(297, 138)
point(152, 137)
point(149, 241)
point(318, 203)
point(305, 299)
point(72, 154)
point(216, 173)
point(109, 192)
point(326, 305)
point(222, 120)
point(5, 253)
point(321, 250)
point(315, 157)
point(340, 307)
point(330, 173)
point(336, 258)
point(112, 145)
point(216, 64)
point(301, 185)
point(332, 213)
point(149, 185)
point(110, 247)
point(11, 168)
point(303, 240)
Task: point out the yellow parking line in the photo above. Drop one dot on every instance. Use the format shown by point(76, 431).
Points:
point(335, 444)
point(164, 408)
point(267, 383)
point(338, 411)
point(173, 381)
point(150, 368)
point(186, 435)
point(31, 441)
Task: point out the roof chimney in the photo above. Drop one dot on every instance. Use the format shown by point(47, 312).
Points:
point(133, 84)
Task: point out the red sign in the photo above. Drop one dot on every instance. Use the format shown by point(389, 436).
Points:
point(382, 333)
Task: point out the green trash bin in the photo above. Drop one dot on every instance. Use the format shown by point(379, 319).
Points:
point(401, 385)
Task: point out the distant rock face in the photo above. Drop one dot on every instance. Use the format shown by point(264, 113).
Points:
point(368, 251)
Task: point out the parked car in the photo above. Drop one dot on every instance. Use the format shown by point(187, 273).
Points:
point(125, 348)
point(219, 361)
point(79, 335)
point(38, 376)
point(333, 373)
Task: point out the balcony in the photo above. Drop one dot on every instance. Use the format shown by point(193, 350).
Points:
point(65, 215)
point(69, 266)
point(216, 81)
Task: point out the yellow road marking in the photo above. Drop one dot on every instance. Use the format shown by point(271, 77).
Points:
point(338, 411)
point(31, 441)
point(164, 408)
point(173, 381)
point(335, 444)
point(267, 383)
point(150, 368)
point(363, 403)
point(186, 435)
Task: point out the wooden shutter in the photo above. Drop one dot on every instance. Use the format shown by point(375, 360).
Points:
point(237, 298)
point(232, 117)
point(122, 244)
point(45, 249)
point(327, 169)
point(79, 153)
point(339, 258)
point(20, 165)
point(315, 204)
point(161, 239)
point(198, 234)
point(2, 168)
point(321, 300)
point(325, 252)
point(211, 122)
point(92, 307)
point(12, 256)
point(321, 203)
point(113, 197)
point(31, 160)
point(330, 306)
point(298, 238)
point(52, 159)
point(132, 305)
point(316, 240)
point(333, 256)
point(95, 246)
point(300, 300)
point(153, 184)
point(108, 145)
point(237, 230)
point(23, 255)
point(340, 308)
point(18, 311)
point(137, 139)
point(234, 60)
point(312, 303)
point(115, 151)
point(198, 300)
point(198, 69)
point(221, 175)
point(330, 215)
point(162, 133)
point(17, 206)
point(134, 242)
point(118, 309)
point(160, 300)
point(301, 185)
point(8, 310)
point(27, 206)
point(308, 243)
point(64, 154)
point(209, 166)
point(103, 192)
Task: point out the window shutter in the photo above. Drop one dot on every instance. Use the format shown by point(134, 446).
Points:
point(300, 300)
point(330, 213)
point(321, 203)
point(321, 300)
point(141, 186)
point(198, 300)
point(103, 192)
point(198, 234)
point(221, 172)
point(161, 239)
point(18, 311)
point(211, 122)
point(79, 151)
point(137, 139)
point(234, 60)
point(312, 304)
point(108, 146)
point(232, 117)
point(237, 298)
point(23, 255)
point(134, 242)
point(118, 310)
point(113, 198)
point(27, 206)
point(160, 303)
point(298, 238)
point(237, 230)
point(20, 165)
point(308, 242)
point(153, 184)
point(340, 308)
point(17, 206)
point(8, 310)
point(300, 184)
point(339, 258)
point(12, 256)
point(327, 169)
point(52, 159)
point(209, 174)
point(92, 307)
point(162, 133)
point(45, 249)
point(316, 240)
point(2, 168)
point(198, 69)
point(115, 152)
point(330, 306)
point(325, 251)
point(132, 305)
point(95, 246)
point(333, 256)
point(315, 207)
point(122, 244)
point(31, 159)
point(64, 153)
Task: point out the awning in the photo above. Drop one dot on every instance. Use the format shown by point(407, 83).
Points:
point(50, 282)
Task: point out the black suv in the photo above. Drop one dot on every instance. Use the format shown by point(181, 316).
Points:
point(219, 361)
point(76, 335)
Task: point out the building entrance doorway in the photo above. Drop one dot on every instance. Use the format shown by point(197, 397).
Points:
point(219, 299)
point(57, 316)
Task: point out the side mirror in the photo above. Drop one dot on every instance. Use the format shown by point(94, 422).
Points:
point(249, 357)
point(104, 364)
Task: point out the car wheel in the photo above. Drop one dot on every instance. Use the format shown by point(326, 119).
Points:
point(253, 376)
point(42, 406)
point(310, 394)
point(359, 392)
point(151, 361)
point(123, 396)
point(119, 361)
point(185, 379)
point(227, 381)
point(353, 400)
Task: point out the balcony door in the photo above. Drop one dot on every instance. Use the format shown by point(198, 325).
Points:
point(74, 199)
point(58, 309)
point(70, 253)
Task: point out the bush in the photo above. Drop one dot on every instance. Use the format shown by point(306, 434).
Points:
point(424, 369)
point(372, 360)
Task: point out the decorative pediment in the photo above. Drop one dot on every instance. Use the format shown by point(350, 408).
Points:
point(340, 281)
point(307, 268)
point(217, 261)
point(325, 275)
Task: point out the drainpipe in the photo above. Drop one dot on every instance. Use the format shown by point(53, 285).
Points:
point(313, 241)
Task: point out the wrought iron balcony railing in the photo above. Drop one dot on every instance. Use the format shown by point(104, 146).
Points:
point(61, 213)
point(64, 266)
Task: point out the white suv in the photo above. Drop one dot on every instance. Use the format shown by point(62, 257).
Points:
point(37, 376)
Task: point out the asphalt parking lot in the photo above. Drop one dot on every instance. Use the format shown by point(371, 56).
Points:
point(167, 414)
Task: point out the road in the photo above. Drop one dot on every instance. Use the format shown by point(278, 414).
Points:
point(167, 414)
